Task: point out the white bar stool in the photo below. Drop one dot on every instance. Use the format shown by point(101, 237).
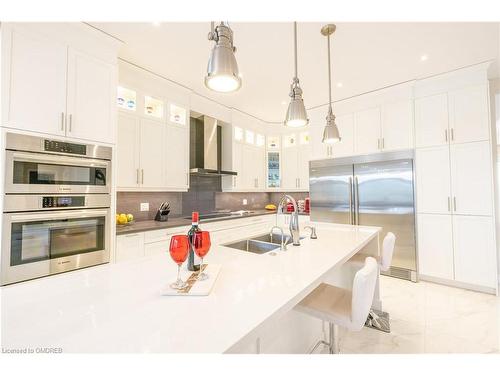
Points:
point(384, 262)
point(342, 307)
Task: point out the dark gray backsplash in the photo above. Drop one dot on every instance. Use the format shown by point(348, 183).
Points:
point(130, 202)
point(201, 194)
point(204, 195)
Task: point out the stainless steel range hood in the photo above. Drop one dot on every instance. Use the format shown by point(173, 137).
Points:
point(206, 147)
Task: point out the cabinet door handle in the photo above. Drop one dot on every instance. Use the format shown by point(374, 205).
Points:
point(449, 206)
point(142, 176)
point(455, 204)
point(383, 143)
point(234, 181)
point(137, 176)
point(62, 121)
point(187, 179)
point(446, 135)
point(299, 181)
point(378, 143)
point(70, 122)
point(452, 133)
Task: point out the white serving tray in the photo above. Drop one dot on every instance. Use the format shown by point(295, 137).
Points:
point(195, 287)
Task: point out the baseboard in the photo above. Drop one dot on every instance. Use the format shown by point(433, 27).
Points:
point(458, 284)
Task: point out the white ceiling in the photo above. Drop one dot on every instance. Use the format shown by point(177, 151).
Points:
point(365, 56)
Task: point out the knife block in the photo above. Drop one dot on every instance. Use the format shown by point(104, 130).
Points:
point(162, 215)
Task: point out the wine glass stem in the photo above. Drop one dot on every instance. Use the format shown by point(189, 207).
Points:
point(201, 267)
point(179, 274)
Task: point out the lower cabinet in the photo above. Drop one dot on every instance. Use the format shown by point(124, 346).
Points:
point(459, 248)
point(435, 246)
point(129, 246)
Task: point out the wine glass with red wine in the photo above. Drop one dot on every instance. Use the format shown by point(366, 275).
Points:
point(179, 248)
point(201, 245)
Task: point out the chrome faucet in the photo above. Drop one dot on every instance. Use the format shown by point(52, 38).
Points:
point(313, 232)
point(283, 244)
point(294, 217)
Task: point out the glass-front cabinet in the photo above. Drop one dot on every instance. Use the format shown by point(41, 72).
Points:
point(273, 169)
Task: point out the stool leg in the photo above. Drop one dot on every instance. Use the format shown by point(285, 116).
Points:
point(334, 339)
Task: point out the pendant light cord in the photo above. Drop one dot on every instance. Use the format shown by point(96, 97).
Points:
point(329, 74)
point(295, 45)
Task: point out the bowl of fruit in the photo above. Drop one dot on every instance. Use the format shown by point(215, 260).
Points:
point(124, 219)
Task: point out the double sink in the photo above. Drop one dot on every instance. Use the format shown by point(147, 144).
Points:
point(260, 244)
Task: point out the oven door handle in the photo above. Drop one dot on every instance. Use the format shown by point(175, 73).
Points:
point(58, 215)
point(64, 160)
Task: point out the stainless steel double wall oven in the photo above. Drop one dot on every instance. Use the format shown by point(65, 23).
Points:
point(56, 214)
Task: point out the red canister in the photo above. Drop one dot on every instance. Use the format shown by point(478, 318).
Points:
point(307, 204)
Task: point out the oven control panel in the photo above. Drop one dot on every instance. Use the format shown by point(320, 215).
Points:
point(68, 148)
point(55, 202)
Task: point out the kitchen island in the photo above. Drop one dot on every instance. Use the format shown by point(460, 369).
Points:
point(118, 307)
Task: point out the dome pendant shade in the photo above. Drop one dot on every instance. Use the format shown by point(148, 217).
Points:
point(331, 133)
point(222, 69)
point(296, 115)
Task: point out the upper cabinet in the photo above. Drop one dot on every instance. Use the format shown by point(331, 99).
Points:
point(90, 98)
point(456, 116)
point(54, 88)
point(397, 125)
point(367, 131)
point(34, 87)
point(345, 147)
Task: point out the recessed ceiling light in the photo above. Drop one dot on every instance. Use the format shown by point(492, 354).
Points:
point(339, 84)
point(424, 57)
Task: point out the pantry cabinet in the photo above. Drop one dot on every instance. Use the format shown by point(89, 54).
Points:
point(435, 235)
point(474, 250)
point(52, 87)
point(152, 160)
point(396, 126)
point(456, 178)
point(456, 116)
point(459, 248)
point(295, 161)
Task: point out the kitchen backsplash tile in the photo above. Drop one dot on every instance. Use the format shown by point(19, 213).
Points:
point(204, 196)
point(129, 202)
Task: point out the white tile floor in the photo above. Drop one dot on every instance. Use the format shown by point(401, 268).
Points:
point(430, 318)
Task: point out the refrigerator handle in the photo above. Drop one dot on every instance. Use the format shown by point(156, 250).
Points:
point(356, 201)
point(351, 207)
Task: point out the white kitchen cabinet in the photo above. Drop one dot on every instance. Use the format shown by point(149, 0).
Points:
point(253, 167)
point(127, 151)
point(435, 246)
point(345, 147)
point(90, 98)
point(177, 157)
point(289, 157)
point(471, 178)
point(51, 87)
point(431, 120)
point(152, 159)
point(319, 150)
point(433, 180)
point(129, 246)
point(397, 126)
point(34, 86)
point(304, 156)
point(366, 131)
point(469, 116)
point(475, 250)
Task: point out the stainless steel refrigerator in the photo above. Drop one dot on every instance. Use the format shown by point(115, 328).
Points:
point(370, 190)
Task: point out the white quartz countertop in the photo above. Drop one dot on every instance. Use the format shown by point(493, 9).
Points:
point(118, 307)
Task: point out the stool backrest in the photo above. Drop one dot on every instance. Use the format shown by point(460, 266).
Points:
point(363, 290)
point(387, 251)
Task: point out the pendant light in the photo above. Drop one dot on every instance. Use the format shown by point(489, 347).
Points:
point(296, 115)
point(222, 70)
point(331, 132)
